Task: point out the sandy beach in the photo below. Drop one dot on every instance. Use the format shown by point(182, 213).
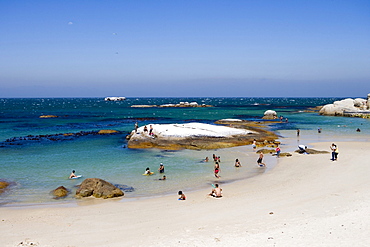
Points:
point(306, 200)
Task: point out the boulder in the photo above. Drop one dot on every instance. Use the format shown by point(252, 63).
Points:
point(60, 192)
point(98, 188)
point(270, 114)
point(347, 107)
point(3, 186)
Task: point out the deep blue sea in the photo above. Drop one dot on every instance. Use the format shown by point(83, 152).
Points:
point(36, 157)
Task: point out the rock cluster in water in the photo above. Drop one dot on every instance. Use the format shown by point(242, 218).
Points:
point(199, 138)
point(98, 188)
point(348, 108)
point(181, 104)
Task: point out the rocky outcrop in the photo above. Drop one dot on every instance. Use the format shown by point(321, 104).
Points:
point(98, 188)
point(181, 104)
point(270, 114)
point(60, 192)
point(348, 107)
point(3, 186)
point(48, 116)
point(199, 136)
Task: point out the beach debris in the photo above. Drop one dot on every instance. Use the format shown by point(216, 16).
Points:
point(60, 192)
point(271, 213)
point(98, 188)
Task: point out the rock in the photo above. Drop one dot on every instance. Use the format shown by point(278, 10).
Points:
point(102, 132)
point(48, 116)
point(269, 114)
point(98, 188)
point(3, 186)
point(312, 151)
point(60, 192)
point(348, 107)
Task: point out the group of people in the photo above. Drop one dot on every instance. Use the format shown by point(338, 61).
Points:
point(215, 192)
point(160, 170)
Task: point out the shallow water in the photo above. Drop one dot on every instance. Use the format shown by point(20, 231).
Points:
point(37, 167)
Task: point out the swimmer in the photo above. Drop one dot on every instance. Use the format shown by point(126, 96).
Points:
point(147, 171)
point(163, 178)
point(73, 175)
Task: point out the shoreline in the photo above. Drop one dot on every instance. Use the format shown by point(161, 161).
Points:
point(306, 200)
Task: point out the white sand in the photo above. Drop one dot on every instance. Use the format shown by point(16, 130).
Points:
point(306, 200)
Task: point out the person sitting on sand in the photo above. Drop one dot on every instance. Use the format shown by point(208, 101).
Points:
point(216, 192)
point(73, 175)
point(259, 161)
point(302, 148)
point(237, 163)
point(182, 196)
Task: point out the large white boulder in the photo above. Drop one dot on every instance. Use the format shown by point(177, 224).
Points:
point(270, 114)
point(341, 107)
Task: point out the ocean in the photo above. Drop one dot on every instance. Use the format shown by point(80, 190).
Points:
point(36, 156)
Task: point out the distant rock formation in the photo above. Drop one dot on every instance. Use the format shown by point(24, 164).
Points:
point(48, 116)
point(181, 104)
point(348, 107)
point(270, 114)
point(115, 98)
point(98, 188)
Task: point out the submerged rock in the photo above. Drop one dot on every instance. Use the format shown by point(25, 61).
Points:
point(3, 186)
point(60, 192)
point(98, 188)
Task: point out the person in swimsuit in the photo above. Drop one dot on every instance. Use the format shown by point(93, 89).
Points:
point(237, 163)
point(216, 192)
point(182, 196)
point(73, 175)
point(259, 161)
point(161, 168)
point(217, 170)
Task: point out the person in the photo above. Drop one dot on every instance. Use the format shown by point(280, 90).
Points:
point(151, 130)
point(182, 196)
point(147, 171)
point(214, 157)
point(161, 168)
point(217, 169)
point(298, 131)
point(237, 163)
point(136, 127)
point(278, 151)
point(302, 148)
point(259, 161)
point(163, 178)
point(73, 175)
point(334, 152)
point(145, 129)
point(206, 159)
point(254, 144)
point(216, 191)
point(358, 130)
point(319, 130)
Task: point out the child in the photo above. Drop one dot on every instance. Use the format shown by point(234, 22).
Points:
point(182, 196)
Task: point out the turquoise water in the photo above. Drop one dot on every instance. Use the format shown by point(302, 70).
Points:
point(35, 167)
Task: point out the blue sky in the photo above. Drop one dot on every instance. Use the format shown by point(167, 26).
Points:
point(184, 48)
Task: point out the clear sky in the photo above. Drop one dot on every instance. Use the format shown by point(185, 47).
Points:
point(159, 48)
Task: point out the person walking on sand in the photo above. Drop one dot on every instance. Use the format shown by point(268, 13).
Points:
point(278, 150)
point(259, 161)
point(216, 191)
point(237, 163)
point(333, 149)
point(217, 170)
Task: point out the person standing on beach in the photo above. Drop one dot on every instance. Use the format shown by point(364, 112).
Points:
point(254, 144)
point(259, 161)
point(298, 131)
point(333, 149)
point(278, 151)
point(151, 130)
point(217, 169)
